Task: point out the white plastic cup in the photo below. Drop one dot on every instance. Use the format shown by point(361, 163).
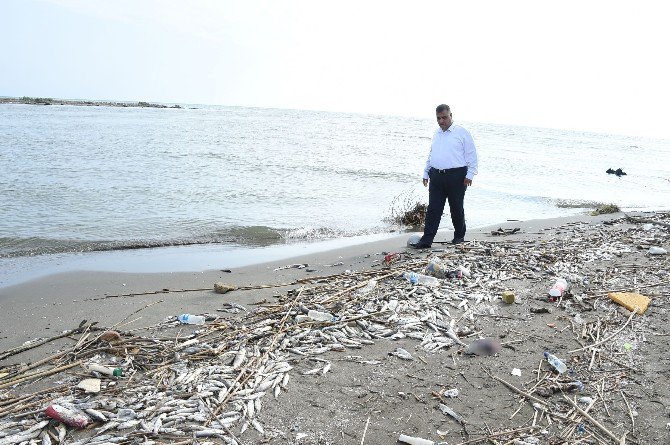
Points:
point(558, 288)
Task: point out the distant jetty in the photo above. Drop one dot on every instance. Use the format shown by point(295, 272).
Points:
point(82, 103)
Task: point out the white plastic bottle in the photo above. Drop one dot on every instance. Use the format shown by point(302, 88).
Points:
point(417, 278)
point(320, 316)
point(191, 319)
point(106, 370)
point(558, 288)
point(556, 362)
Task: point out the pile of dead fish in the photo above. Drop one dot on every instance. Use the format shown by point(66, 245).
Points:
point(213, 382)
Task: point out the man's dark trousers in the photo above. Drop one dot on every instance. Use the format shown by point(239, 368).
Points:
point(445, 185)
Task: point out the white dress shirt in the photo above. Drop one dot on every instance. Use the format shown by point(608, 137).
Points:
point(452, 148)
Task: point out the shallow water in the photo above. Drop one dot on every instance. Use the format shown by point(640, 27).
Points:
point(78, 179)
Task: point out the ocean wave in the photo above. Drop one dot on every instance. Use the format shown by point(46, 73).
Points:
point(248, 236)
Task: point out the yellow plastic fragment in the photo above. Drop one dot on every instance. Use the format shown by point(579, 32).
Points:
point(508, 296)
point(631, 300)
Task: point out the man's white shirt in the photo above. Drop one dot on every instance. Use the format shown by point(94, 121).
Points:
point(452, 148)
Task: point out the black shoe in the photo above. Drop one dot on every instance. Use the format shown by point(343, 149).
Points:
point(458, 240)
point(420, 245)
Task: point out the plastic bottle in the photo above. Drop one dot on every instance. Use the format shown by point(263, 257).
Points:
point(369, 287)
point(436, 268)
point(320, 316)
point(655, 250)
point(191, 319)
point(417, 278)
point(558, 288)
point(556, 362)
point(454, 274)
point(106, 370)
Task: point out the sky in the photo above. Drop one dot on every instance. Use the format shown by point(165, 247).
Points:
point(592, 65)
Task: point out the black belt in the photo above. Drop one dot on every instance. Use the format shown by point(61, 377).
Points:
point(447, 170)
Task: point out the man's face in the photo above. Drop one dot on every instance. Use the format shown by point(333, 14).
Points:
point(444, 120)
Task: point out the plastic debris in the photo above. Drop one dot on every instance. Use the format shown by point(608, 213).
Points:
point(414, 440)
point(67, 416)
point(369, 287)
point(631, 300)
point(555, 362)
point(451, 393)
point(654, 250)
point(391, 258)
point(89, 385)
point(191, 319)
point(413, 239)
point(320, 316)
point(105, 370)
point(508, 297)
point(417, 278)
point(560, 286)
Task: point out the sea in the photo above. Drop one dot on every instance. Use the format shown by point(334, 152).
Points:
point(169, 189)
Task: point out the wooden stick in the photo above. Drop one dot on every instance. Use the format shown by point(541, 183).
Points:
point(630, 411)
point(593, 421)
point(40, 374)
point(20, 349)
point(365, 430)
point(608, 338)
point(501, 433)
point(359, 285)
point(517, 390)
point(32, 366)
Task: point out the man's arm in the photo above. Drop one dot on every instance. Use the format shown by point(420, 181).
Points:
point(470, 153)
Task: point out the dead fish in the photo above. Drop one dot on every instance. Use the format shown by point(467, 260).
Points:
point(62, 432)
point(450, 412)
point(127, 424)
point(251, 409)
point(24, 436)
point(239, 358)
point(46, 438)
point(257, 426)
point(210, 433)
point(401, 353)
point(96, 415)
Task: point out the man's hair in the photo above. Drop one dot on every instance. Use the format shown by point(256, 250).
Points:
point(442, 107)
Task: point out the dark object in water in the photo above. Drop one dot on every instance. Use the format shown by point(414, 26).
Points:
point(617, 172)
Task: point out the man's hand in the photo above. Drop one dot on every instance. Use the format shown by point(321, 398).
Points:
point(466, 182)
point(425, 183)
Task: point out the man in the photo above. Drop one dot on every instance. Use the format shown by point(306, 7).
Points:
point(451, 165)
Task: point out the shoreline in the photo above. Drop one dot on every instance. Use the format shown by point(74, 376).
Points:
point(206, 257)
point(48, 297)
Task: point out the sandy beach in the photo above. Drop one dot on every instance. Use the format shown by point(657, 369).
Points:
point(342, 389)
